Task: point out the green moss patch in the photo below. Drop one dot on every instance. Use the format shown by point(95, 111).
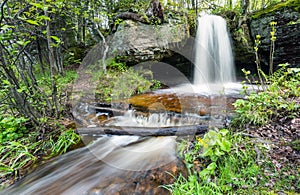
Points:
point(293, 4)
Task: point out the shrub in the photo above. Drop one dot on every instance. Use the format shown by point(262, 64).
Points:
point(279, 99)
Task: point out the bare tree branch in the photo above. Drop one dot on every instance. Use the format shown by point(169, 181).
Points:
point(2, 11)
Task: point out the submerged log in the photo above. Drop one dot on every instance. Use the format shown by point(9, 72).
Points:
point(146, 131)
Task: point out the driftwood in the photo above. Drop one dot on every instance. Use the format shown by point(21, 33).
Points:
point(132, 16)
point(146, 131)
point(127, 16)
point(154, 14)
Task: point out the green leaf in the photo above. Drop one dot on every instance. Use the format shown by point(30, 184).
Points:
point(23, 43)
point(5, 27)
point(212, 166)
point(37, 5)
point(225, 145)
point(207, 152)
point(224, 132)
point(5, 82)
point(32, 22)
point(56, 39)
point(218, 152)
point(44, 18)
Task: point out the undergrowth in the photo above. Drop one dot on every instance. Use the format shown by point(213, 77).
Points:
point(121, 82)
point(220, 163)
point(243, 167)
point(22, 144)
point(231, 162)
point(279, 99)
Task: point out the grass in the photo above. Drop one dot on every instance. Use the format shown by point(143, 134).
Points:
point(19, 154)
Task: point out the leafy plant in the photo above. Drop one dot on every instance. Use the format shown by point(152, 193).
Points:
point(12, 128)
point(215, 144)
point(191, 186)
point(277, 100)
point(272, 47)
point(257, 60)
point(230, 165)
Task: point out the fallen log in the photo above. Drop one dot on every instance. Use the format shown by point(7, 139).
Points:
point(146, 131)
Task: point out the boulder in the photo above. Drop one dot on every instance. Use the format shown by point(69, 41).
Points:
point(136, 42)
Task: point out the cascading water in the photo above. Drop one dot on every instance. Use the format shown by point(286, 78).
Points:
point(213, 59)
point(111, 164)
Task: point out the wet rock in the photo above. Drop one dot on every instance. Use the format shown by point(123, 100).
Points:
point(147, 182)
point(202, 112)
point(69, 124)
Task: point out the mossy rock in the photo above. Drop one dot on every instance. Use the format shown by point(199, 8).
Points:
point(294, 4)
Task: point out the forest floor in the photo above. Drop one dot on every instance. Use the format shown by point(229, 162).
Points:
point(283, 137)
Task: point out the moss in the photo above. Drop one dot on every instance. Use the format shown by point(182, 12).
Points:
point(294, 4)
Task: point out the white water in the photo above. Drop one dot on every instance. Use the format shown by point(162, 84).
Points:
point(155, 120)
point(214, 58)
point(109, 165)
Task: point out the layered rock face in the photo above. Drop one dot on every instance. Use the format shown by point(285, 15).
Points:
point(136, 42)
point(287, 44)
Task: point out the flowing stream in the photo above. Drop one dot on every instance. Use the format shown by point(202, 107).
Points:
point(139, 165)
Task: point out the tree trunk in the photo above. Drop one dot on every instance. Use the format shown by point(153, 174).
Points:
point(146, 131)
point(52, 65)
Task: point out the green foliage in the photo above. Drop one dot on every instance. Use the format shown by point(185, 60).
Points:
point(278, 100)
point(22, 153)
point(16, 155)
point(215, 144)
point(64, 142)
point(125, 5)
point(64, 80)
point(12, 128)
point(121, 82)
point(63, 83)
point(192, 20)
point(234, 169)
point(73, 55)
point(192, 186)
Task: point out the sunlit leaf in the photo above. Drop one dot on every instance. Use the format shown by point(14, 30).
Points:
point(37, 5)
point(32, 22)
point(56, 39)
point(44, 18)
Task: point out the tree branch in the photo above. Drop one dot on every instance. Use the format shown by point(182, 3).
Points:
point(2, 11)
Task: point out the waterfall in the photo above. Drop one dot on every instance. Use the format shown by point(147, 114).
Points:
point(214, 59)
